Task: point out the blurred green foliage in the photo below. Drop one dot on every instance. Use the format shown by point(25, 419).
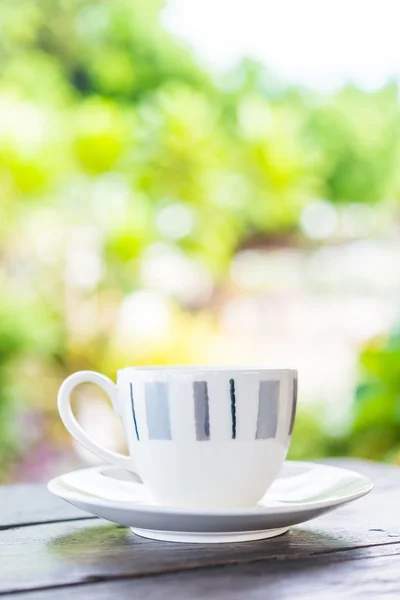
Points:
point(373, 427)
point(105, 122)
point(376, 420)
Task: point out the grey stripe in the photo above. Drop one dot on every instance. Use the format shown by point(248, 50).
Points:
point(201, 410)
point(157, 411)
point(294, 404)
point(268, 400)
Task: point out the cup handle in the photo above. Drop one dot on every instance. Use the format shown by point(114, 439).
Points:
point(72, 425)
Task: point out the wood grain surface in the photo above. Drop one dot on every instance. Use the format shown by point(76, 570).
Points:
point(29, 504)
point(345, 551)
point(329, 577)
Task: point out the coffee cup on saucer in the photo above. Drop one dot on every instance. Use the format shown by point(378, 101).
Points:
point(199, 437)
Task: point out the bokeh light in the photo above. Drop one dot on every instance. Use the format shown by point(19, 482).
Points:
point(319, 220)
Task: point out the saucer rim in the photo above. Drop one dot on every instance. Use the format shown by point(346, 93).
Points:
point(55, 487)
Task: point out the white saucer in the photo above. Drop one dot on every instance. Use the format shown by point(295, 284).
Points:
point(301, 492)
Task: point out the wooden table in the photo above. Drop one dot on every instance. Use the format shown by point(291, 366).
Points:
point(51, 551)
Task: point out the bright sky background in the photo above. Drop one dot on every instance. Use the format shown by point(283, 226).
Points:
point(316, 43)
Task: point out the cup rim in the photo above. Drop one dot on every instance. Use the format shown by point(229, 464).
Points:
point(188, 369)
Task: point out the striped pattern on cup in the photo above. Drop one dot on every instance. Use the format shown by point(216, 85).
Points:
point(157, 410)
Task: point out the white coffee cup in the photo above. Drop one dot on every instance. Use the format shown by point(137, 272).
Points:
point(198, 437)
